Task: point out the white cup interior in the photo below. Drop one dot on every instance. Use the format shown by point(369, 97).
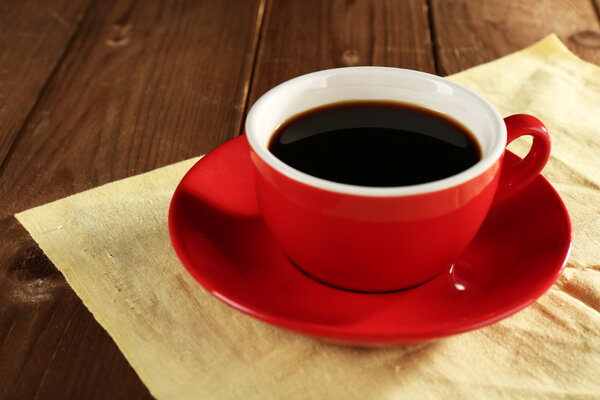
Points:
point(376, 83)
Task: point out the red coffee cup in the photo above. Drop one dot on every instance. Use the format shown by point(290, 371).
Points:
point(382, 239)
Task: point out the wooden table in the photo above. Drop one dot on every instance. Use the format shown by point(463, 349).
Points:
point(92, 91)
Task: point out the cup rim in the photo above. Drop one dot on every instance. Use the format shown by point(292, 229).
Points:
point(479, 168)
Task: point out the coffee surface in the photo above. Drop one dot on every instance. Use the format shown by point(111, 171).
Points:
point(373, 143)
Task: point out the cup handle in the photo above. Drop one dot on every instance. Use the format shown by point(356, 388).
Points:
point(528, 168)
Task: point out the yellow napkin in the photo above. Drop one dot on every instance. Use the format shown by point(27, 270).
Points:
point(112, 245)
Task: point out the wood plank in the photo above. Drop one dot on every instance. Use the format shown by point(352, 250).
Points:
point(304, 36)
point(144, 84)
point(468, 33)
point(33, 39)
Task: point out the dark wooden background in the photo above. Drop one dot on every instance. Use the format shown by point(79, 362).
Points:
point(92, 91)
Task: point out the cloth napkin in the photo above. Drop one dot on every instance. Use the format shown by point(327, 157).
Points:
point(112, 245)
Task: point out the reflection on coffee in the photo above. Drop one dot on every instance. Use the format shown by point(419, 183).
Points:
point(375, 143)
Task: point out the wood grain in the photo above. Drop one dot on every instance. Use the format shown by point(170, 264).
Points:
point(143, 84)
point(468, 33)
point(33, 40)
point(305, 36)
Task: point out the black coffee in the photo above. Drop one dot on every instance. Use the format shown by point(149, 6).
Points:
point(375, 143)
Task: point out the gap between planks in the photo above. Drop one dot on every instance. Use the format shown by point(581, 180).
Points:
point(434, 45)
point(258, 32)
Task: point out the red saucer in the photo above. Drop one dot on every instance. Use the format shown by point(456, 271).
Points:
point(218, 234)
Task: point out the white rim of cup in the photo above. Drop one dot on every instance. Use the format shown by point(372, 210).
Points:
point(490, 156)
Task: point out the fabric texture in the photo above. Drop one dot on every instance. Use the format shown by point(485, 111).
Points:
point(112, 245)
